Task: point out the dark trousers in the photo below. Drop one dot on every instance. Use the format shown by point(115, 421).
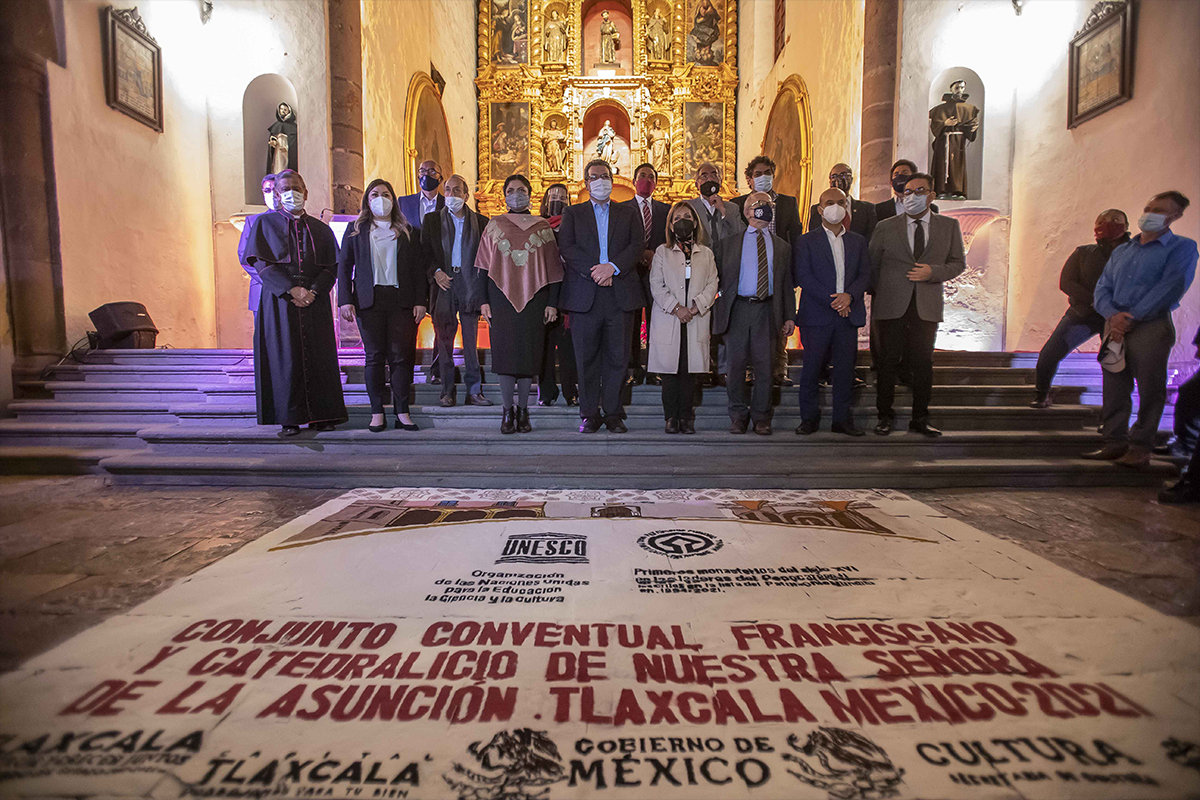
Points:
point(836, 346)
point(635, 341)
point(1073, 330)
point(444, 339)
point(1187, 425)
point(601, 339)
point(1147, 349)
point(750, 339)
point(389, 336)
point(558, 365)
point(908, 338)
point(678, 390)
point(903, 373)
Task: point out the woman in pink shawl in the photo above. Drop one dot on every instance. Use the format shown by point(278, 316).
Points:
point(519, 253)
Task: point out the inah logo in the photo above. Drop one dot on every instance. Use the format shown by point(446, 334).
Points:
point(545, 548)
point(679, 543)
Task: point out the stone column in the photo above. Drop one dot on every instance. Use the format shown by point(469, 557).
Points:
point(881, 72)
point(29, 214)
point(345, 100)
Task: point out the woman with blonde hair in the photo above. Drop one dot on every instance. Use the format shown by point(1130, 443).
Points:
point(683, 284)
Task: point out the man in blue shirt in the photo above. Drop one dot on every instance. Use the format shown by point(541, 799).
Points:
point(1141, 285)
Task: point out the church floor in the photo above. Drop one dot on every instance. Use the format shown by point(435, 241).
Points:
point(74, 551)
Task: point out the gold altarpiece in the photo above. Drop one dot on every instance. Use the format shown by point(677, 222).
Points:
point(552, 92)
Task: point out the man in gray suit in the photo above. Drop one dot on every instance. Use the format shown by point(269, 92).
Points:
point(757, 304)
point(911, 256)
point(720, 219)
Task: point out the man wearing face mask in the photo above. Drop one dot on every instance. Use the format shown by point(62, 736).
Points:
point(911, 256)
point(297, 379)
point(458, 289)
point(415, 207)
point(831, 268)
point(268, 190)
point(894, 205)
point(601, 243)
point(1141, 285)
point(654, 230)
point(862, 213)
point(756, 306)
point(716, 214)
point(1078, 283)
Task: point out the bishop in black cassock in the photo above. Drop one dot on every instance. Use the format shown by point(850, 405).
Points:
point(296, 374)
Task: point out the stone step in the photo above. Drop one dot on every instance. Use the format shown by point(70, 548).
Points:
point(136, 391)
point(173, 356)
point(751, 470)
point(52, 460)
point(19, 433)
point(83, 411)
point(161, 373)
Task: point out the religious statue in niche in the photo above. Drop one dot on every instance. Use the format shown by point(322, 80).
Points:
point(954, 123)
point(510, 31)
point(610, 39)
point(658, 146)
point(606, 145)
point(657, 37)
point(556, 39)
point(281, 147)
point(704, 39)
point(557, 148)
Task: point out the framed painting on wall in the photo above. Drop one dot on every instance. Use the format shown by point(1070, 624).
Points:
point(703, 135)
point(133, 81)
point(1100, 62)
point(510, 139)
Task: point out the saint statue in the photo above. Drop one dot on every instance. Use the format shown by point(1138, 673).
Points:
point(610, 40)
point(281, 147)
point(954, 123)
point(706, 29)
point(555, 145)
point(606, 145)
point(658, 145)
point(556, 39)
point(657, 37)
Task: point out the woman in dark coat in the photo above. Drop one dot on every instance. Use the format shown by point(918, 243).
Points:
point(558, 362)
point(297, 379)
point(519, 253)
point(382, 282)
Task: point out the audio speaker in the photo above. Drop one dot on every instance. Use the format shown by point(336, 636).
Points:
point(123, 325)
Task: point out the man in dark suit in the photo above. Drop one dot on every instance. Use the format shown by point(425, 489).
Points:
point(894, 205)
point(654, 231)
point(756, 306)
point(911, 256)
point(601, 243)
point(457, 289)
point(415, 207)
point(832, 270)
point(785, 223)
point(268, 190)
point(862, 213)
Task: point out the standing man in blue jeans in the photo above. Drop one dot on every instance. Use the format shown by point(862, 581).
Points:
point(1141, 285)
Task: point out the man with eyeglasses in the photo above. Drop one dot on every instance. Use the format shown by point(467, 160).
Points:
point(862, 213)
point(911, 256)
point(414, 207)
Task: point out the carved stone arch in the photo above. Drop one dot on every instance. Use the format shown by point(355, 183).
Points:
point(426, 131)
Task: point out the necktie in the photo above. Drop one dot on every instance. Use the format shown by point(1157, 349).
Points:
point(764, 284)
point(647, 222)
point(712, 221)
point(919, 241)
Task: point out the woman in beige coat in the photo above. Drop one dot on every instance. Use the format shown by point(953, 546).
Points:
point(683, 283)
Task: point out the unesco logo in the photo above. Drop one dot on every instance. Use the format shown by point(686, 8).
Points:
point(679, 543)
point(544, 548)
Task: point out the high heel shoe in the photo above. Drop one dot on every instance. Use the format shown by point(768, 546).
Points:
point(378, 428)
point(400, 426)
point(509, 423)
point(523, 425)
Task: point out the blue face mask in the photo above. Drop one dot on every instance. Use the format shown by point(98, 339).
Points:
point(763, 213)
point(429, 182)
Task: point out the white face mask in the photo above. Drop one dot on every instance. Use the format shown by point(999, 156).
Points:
point(915, 203)
point(455, 204)
point(763, 183)
point(600, 189)
point(833, 214)
point(1151, 222)
point(269, 200)
point(381, 206)
point(293, 200)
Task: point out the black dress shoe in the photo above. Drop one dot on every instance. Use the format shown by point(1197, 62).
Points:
point(508, 423)
point(572, 402)
point(807, 427)
point(848, 428)
point(590, 425)
point(722, 382)
point(672, 426)
point(478, 400)
point(448, 401)
point(435, 380)
point(523, 425)
point(1041, 402)
point(323, 426)
point(290, 430)
point(616, 425)
point(400, 426)
point(925, 429)
point(884, 427)
point(784, 381)
point(654, 380)
point(738, 426)
point(763, 427)
point(1184, 491)
point(687, 426)
point(547, 401)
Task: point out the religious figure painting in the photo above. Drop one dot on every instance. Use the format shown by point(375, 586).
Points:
point(955, 124)
point(658, 145)
point(510, 139)
point(510, 31)
point(705, 44)
point(703, 134)
point(1101, 63)
point(658, 36)
point(783, 143)
point(431, 136)
point(132, 67)
point(556, 146)
point(556, 37)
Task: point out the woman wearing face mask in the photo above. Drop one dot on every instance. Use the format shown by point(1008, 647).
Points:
point(383, 285)
point(558, 361)
point(519, 253)
point(683, 283)
point(297, 379)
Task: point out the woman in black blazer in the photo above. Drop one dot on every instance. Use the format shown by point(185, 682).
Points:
point(383, 284)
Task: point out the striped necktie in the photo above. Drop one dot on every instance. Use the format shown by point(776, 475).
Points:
point(764, 284)
point(647, 222)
